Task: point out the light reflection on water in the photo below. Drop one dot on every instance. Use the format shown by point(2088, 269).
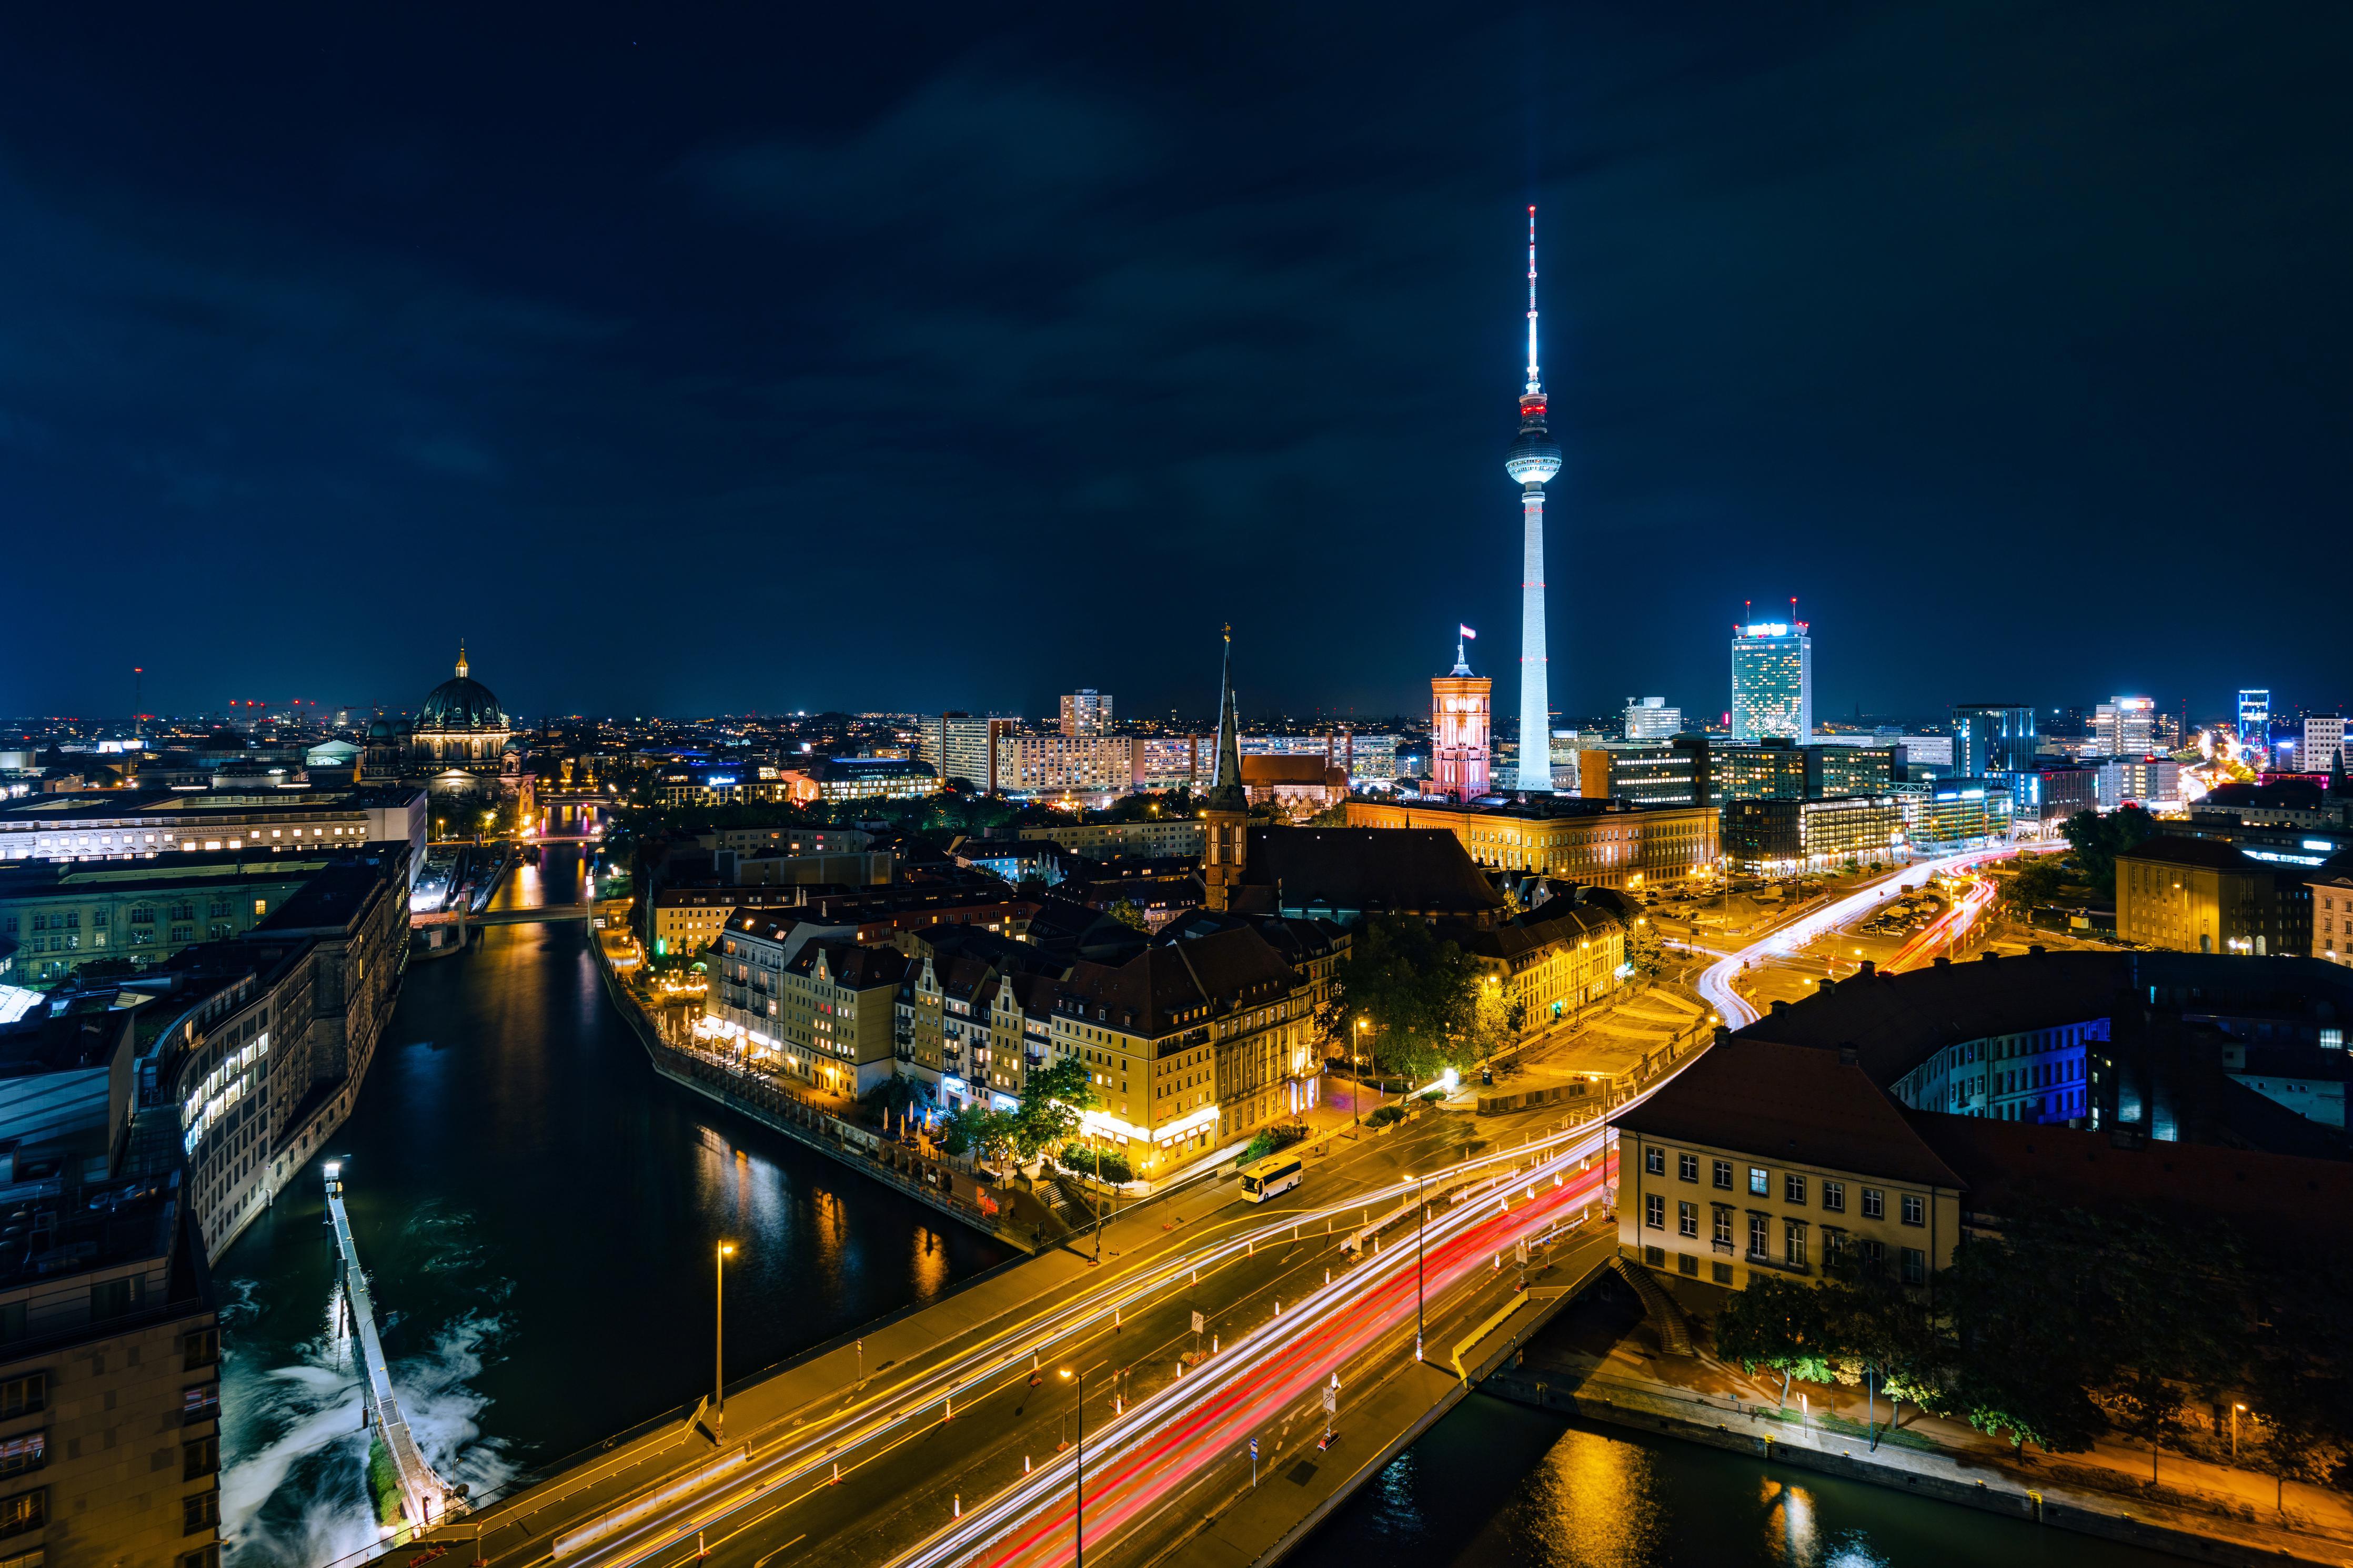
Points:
point(1496, 1484)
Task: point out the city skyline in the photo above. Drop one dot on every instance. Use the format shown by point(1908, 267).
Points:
point(538, 357)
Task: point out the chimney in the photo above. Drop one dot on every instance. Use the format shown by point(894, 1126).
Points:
point(1944, 963)
point(1869, 969)
point(2034, 951)
point(1779, 1006)
point(1847, 1054)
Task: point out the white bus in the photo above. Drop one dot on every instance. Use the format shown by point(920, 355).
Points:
point(1274, 1174)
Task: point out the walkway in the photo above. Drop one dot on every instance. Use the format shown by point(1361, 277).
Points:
point(423, 1500)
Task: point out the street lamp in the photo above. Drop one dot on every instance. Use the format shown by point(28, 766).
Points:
point(1079, 1482)
point(719, 1337)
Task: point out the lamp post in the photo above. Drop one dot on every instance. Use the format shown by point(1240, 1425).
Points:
point(719, 1338)
point(2235, 1408)
point(1079, 1482)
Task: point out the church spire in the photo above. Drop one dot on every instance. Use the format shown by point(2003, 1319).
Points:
point(1226, 789)
point(461, 658)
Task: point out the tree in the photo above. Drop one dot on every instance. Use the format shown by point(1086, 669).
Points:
point(2036, 882)
point(1780, 1324)
point(2099, 838)
point(1417, 993)
point(2147, 1405)
point(1126, 913)
point(1051, 1106)
point(977, 1128)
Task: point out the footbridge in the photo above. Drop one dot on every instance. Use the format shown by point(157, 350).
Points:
point(423, 1500)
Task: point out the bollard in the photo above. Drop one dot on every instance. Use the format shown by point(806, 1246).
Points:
point(1278, 1307)
point(837, 1472)
point(1213, 1345)
point(959, 1505)
point(1025, 1464)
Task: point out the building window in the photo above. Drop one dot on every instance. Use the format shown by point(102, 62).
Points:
point(1687, 1218)
point(1834, 1197)
point(1874, 1204)
point(200, 1348)
point(29, 1452)
point(201, 1511)
point(1872, 1254)
point(1687, 1167)
point(1760, 1181)
point(1915, 1266)
point(1686, 1264)
point(1724, 1174)
point(199, 1458)
point(25, 1511)
point(205, 1556)
point(1793, 1188)
point(1760, 1236)
point(1915, 1209)
point(1654, 1211)
point(1793, 1243)
point(1721, 1273)
point(1654, 1160)
point(201, 1403)
point(1723, 1228)
point(23, 1396)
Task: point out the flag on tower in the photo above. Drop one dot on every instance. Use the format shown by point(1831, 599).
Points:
point(1466, 631)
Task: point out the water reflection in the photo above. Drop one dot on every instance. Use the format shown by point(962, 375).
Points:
point(1496, 1484)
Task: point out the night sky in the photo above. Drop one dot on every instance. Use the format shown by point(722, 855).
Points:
point(899, 357)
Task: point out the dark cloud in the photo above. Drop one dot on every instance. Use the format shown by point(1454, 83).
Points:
point(937, 358)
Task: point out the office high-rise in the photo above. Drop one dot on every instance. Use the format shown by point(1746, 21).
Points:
point(1773, 681)
point(1086, 713)
point(1650, 719)
point(2255, 718)
point(1992, 738)
point(2124, 727)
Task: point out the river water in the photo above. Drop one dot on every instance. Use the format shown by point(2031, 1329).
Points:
point(538, 1214)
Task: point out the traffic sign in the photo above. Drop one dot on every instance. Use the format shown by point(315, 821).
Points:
point(1199, 1322)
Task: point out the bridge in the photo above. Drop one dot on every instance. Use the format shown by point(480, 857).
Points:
point(504, 917)
point(423, 1500)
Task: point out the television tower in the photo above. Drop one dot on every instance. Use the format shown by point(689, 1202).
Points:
point(1534, 457)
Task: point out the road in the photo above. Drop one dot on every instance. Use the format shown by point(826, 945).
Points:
point(1715, 984)
point(963, 1452)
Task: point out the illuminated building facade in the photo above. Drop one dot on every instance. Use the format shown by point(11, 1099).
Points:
point(2193, 895)
point(1992, 738)
point(2324, 743)
point(1086, 713)
point(2124, 727)
point(1951, 816)
point(1651, 719)
point(1772, 682)
point(1078, 765)
point(2255, 718)
point(1600, 843)
point(1460, 707)
point(1782, 837)
point(1646, 772)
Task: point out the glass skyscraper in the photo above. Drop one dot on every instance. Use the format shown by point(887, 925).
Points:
point(1992, 738)
point(1773, 681)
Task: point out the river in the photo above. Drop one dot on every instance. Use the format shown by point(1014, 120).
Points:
point(538, 1214)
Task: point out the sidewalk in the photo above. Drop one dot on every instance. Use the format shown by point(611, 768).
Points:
point(2196, 1508)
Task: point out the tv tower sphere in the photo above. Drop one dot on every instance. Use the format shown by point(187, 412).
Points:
point(1535, 456)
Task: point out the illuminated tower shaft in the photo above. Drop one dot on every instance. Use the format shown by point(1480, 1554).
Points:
point(1533, 458)
point(1535, 691)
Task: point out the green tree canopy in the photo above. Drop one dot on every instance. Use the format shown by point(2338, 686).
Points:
point(2099, 837)
point(1417, 993)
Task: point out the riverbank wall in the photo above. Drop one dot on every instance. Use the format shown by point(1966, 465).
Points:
point(858, 1149)
point(2179, 1532)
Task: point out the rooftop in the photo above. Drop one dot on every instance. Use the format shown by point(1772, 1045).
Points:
point(1792, 1103)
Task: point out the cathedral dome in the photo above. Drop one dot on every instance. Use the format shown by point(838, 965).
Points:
point(460, 703)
